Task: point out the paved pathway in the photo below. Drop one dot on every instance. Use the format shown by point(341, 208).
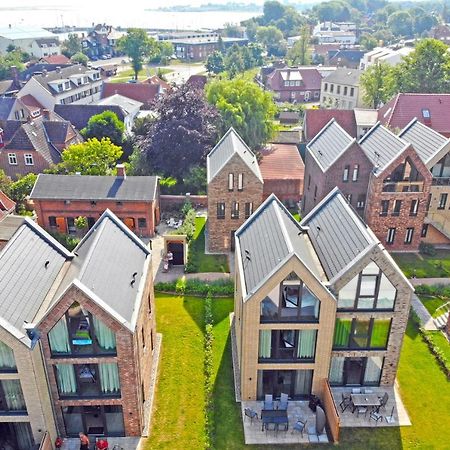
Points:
point(425, 318)
point(418, 281)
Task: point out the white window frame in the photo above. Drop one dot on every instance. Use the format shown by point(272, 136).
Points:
point(390, 238)
point(12, 159)
point(409, 235)
point(346, 173)
point(240, 181)
point(28, 159)
point(231, 181)
point(355, 172)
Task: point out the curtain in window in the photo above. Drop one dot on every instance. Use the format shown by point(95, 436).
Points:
point(342, 332)
point(105, 336)
point(13, 395)
point(337, 370)
point(373, 370)
point(265, 343)
point(109, 378)
point(65, 374)
point(303, 382)
point(306, 344)
point(24, 436)
point(59, 337)
point(7, 360)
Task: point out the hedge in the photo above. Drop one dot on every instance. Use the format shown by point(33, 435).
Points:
point(183, 286)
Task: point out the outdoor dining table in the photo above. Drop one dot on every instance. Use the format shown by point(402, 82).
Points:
point(365, 400)
point(276, 416)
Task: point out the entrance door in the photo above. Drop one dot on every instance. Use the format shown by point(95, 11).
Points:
point(177, 249)
point(353, 371)
point(232, 240)
point(61, 225)
point(276, 382)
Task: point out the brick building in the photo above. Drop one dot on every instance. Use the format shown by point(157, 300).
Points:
point(334, 158)
point(293, 84)
point(98, 334)
point(317, 301)
point(282, 170)
point(235, 189)
point(59, 199)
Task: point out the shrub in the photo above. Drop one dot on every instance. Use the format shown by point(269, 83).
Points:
point(187, 206)
point(208, 370)
point(188, 227)
point(441, 359)
point(180, 286)
point(70, 242)
point(427, 249)
point(217, 288)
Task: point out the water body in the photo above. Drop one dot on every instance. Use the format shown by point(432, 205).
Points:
point(82, 15)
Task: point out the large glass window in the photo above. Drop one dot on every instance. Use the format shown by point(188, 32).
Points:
point(11, 396)
point(351, 371)
point(369, 290)
point(336, 376)
point(295, 383)
point(78, 332)
point(7, 361)
point(361, 333)
point(372, 374)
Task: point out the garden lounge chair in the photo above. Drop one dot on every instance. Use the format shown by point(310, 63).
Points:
point(268, 402)
point(249, 412)
point(283, 402)
point(383, 401)
point(299, 426)
point(315, 433)
point(374, 415)
point(345, 403)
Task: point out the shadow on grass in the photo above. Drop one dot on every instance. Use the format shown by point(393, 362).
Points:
point(192, 305)
point(413, 331)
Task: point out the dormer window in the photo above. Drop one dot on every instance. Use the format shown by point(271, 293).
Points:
point(426, 114)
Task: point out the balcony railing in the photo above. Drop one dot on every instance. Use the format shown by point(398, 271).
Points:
point(441, 181)
point(403, 186)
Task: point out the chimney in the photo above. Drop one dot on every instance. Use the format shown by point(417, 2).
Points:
point(44, 72)
point(46, 114)
point(15, 76)
point(121, 171)
point(58, 69)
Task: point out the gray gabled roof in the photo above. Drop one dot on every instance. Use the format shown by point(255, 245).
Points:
point(338, 234)
point(230, 145)
point(29, 266)
point(426, 142)
point(268, 239)
point(346, 76)
point(90, 187)
point(6, 105)
point(382, 146)
point(329, 144)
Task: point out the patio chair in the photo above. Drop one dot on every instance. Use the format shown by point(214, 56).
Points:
point(268, 402)
point(178, 224)
point(283, 405)
point(383, 401)
point(249, 412)
point(345, 403)
point(374, 415)
point(171, 222)
point(314, 432)
point(299, 426)
point(361, 410)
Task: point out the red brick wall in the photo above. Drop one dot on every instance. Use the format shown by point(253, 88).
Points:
point(137, 209)
point(133, 369)
point(285, 190)
point(40, 164)
point(333, 177)
point(175, 202)
point(219, 230)
point(380, 224)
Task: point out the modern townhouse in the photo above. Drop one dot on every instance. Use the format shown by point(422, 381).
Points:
point(381, 175)
point(59, 199)
point(74, 84)
point(341, 89)
point(235, 189)
point(316, 302)
point(76, 346)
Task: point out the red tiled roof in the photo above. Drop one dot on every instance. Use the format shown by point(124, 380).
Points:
point(316, 119)
point(56, 59)
point(197, 80)
point(6, 205)
point(31, 103)
point(402, 108)
point(142, 92)
point(281, 162)
point(157, 81)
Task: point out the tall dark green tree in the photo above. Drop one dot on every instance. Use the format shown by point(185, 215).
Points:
point(105, 125)
point(215, 63)
point(379, 84)
point(71, 46)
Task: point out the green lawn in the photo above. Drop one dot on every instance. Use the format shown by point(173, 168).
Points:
point(423, 266)
point(432, 303)
point(126, 75)
point(439, 340)
point(178, 421)
point(203, 262)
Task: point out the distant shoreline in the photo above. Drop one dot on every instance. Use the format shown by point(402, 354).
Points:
point(223, 7)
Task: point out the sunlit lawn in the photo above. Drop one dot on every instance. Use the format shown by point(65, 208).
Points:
point(178, 421)
point(432, 303)
point(126, 75)
point(423, 266)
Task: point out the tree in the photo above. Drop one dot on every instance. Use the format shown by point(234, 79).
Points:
point(257, 53)
point(184, 131)
point(137, 45)
point(105, 125)
point(368, 42)
point(214, 63)
point(422, 21)
point(163, 51)
point(246, 107)
point(195, 180)
point(426, 69)
point(81, 222)
point(378, 83)
point(19, 190)
point(334, 10)
point(298, 54)
point(273, 11)
point(71, 46)
point(251, 26)
point(272, 38)
point(234, 61)
point(5, 182)
point(92, 157)
point(9, 60)
point(400, 23)
point(80, 58)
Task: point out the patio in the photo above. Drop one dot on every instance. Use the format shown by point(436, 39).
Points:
point(394, 406)
point(123, 443)
point(296, 409)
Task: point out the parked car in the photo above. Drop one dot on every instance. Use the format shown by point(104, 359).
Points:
point(94, 58)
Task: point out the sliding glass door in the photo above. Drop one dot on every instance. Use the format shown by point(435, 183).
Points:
point(295, 383)
point(355, 371)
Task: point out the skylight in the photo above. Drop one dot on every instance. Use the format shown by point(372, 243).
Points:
point(426, 114)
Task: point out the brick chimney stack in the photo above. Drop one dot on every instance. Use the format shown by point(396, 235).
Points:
point(121, 171)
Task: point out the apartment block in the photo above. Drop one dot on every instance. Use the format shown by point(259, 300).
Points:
point(235, 190)
point(315, 301)
point(341, 89)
